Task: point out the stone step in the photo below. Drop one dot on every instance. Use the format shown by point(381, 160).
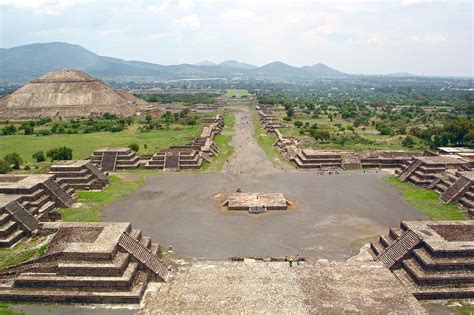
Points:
point(444, 293)
point(7, 228)
point(377, 248)
point(395, 233)
point(429, 262)
point(386, 240)
point(50, 205)
point(404, 278)
point(114, 267)
point(423, 277)
point(155, 249)
point(146, 241)
point(68, 295)
point(12, 238)
point(136, 234)
point(4, 217)
point(47, 280)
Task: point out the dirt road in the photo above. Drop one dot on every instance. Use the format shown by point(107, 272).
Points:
point(248, 159)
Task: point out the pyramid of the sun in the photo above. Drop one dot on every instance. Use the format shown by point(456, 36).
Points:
point(67, 93)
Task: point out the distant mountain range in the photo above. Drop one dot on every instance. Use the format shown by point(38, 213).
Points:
point(28, 62)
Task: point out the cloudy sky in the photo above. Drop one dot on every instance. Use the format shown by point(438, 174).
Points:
point(423, 37)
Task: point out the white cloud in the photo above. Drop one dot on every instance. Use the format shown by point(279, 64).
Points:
point(189, 22)
point(237, 15)
point(160, 7)
point(48, 7)
point(434, 38)
point(186, 4)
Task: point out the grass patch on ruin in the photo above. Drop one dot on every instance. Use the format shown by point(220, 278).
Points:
point(222, 142)
point(90, 202)
point(265, 140)
point(83, 145)
point(7, 309)
point(427, 201)
point(26, 249)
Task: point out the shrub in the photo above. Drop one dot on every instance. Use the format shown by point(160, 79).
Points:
point(408, 142)
point(14, 160)
point(298, 124)
point(61, 153)
point(135, 147)
point(39, 156)
point(27, 168)
point(5, 167)
point(9, 130)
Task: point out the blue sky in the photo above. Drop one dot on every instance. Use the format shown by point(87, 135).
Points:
point(423, 37)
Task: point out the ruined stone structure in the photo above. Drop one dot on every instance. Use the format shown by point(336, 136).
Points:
point(455, 186)
point(112, 159)
point(434, 258)
point(385, 159)
point(421, 171)
point(87, 263)
point(79, 174)
point(256, 202)
point(318, 159)
point(308, 158)
point(26, 200)
point(67, 94)
point(190, 156)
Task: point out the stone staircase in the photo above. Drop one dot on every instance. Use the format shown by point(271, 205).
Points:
point(456, 190)
point(62, 198)
point(109, 160)
point(111, 263)
point(79, 174)
point(171, 163)
point(142, 254)
point(409, 170)
point(28, 222)
point(397, 250)
point(432, 267)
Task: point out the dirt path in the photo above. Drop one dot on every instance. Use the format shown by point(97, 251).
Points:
point(248, 159)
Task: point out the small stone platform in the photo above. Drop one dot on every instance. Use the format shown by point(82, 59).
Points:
point(87, 263)
point(256, 202)
point(79, 174)
point(434, 258)
point(112, 159)
point(26, 200)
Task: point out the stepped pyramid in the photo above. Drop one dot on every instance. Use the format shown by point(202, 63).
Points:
point(67, 93)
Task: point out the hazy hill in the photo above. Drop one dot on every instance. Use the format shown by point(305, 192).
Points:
point(236, 65)
point(28, 62)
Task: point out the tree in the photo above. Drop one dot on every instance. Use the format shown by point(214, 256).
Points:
point(61, 153)
point(14, 160)
point(39, 156)
point(135, 147)
point(4, 167)
point(408, 142)
point(298, 124)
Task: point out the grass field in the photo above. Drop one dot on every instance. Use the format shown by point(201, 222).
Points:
point(236, 93)
point(84, 145)
point(90, 202)
point(427, 201)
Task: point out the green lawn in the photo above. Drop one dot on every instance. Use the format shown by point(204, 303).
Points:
point(90, 202)
point(84, 145)
point(427, 201)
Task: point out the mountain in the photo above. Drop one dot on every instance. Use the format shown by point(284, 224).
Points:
point(323, 70)
point(205, 63)
point(24, 63)
point(236, 65)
